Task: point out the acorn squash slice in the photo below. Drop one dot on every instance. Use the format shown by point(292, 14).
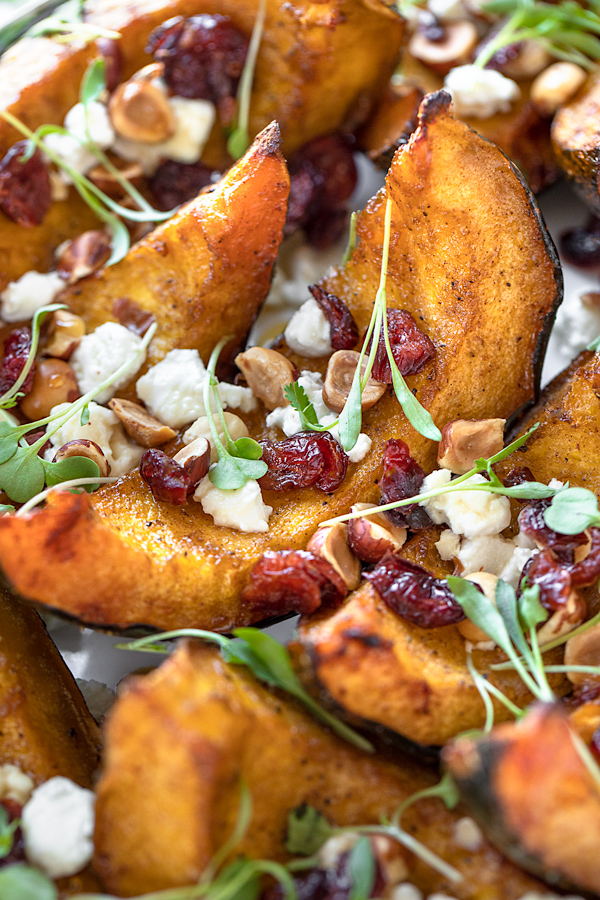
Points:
point(180, 740)
point(530, 790)
point(320, 68)
point(487, 302)
point(576, 140)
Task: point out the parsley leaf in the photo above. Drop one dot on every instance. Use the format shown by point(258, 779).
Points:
point(307, 830)
point(298, 400)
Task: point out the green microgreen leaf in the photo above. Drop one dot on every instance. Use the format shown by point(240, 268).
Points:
point(9, 441)
point(247, 448)
point(351, 240)
point(21, 882)
point(350, 421)
point(307, 830)
point(84, 418)
point(9, 397)
point(239, 139)
point(572, 510)
point(361, 865)
point(531, 611)
point(6, 509)
point(7, 832)
point(71, 469)
point(93, 84)
point(22, 475)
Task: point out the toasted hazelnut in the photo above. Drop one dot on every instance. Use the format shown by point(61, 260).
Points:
point(468, 629)
point(54, 382)
point(531, 59)
point(64, 335)
point(591, 299)
point(110, 184)
point(144, 429)
point(460, 40)
point(563, 620)
point(331, 543)
point(267, 373)
point(196, 449)
point(83, 255)
point(583, 650)
point(89, 449)
point(201, 428)
point(338, 381)
point(464, 441)
point(556, 85)
point(195, 459)
point(371, 537)
point(583, 550)
point(392, 859)
point(140, 111)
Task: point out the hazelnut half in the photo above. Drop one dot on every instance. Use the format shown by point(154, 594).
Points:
point(64, 335)
point(583, 650)
point(267, 373)
point(460, 39)
point(556, 85)
point(464, 441)
point(487, 582)
point(89, 449)
point(371, 537)
point(331, 543)
point(338, 381)
point(110, 184)
point(564, 620)
point(140, 111)
point(146, 430)
point(83, 255)
point(54, 382)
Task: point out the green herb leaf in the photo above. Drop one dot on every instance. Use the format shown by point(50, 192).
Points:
point(22, 476)
point(9, 441)
point(70, 469)
point(350, 421)
point(417, 415)
point(298, 400)
point(227, 474)
point(84, 418)
point(21, 882)
point(362, 870)
point(5, 509)
point(529, 490)
point(506, 601)
point(572, 511)
point(247, 448)
point(531, 611)
point(239, 139)
point(7, 832)
point(93, 84)
point(307, 830)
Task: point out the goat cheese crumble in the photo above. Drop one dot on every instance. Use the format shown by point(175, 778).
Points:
point(201, 429)
point(21, 299)
point(15, 784)
point(470, 513)
point(101, 353)
point(173, 390)
point(480, 92)
point(73, 148)
point(308, 332)
point(58, 827)
point(105, 429)
point(242, 509)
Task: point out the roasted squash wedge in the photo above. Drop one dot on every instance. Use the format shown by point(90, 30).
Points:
point(530, 789)
point(414, 681)
point(486, 302)
point(321, 68)
point(576, 140)
point(180, 740)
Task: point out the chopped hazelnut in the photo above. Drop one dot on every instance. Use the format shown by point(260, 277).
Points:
point(146, 430)
point(460, 39)
point(140, 111)
point(201, 428)
point(556, 85)
point(468, 629)
point(564, 620)
point(88, 449)
point(372, 536)
point(83, 255)
point(583, 650)
point(64, 335)
point(531, 59)
point(331, 543)
point(338, 381)
point(267, 372)
point(54, 382)
point(464, 441)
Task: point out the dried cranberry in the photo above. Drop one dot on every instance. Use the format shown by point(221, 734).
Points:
point(25, 191)
point(581, 246)
point(411, 348)
point(595, 744)
point(110, 51)
point(551, 577)
point(306, 459)
point(334, 883)
point(402, 478)
point(175, 183)
point(414, 594)
point(518, 475)
point(587, 692)
point(344, 331)
point(293, 581)
point(532, 523)
point(16, 350)
point(169, 481)
point(17, 851)
point(203, 58)
point(587, 570)
point(331, 155)
point(430, 27)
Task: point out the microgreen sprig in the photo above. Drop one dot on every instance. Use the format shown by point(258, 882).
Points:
point(239, 139)
point(239, 460)
point(266, 658)
point(11, 397)
point(572, 510)
point(565, 30)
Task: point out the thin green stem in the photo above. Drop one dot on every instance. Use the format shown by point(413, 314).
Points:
point(63, 486)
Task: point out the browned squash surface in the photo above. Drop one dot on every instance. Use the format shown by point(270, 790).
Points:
point(576, 140)
point(538, 802)
point(205, 272)
point(180, 740)
point(382, 669)
point(469, 258)
point(321, 67)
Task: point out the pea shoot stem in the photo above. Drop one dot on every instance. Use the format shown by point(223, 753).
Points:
point(63, 486)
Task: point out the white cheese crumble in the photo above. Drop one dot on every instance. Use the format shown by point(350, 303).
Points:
point(448, 10)
point(58, 827)
point(15, 784)
point(480, 92)
point(98, 697)
point(73, 148)
point(334, 847)
point(105, 429)
point(194, 120)
point(173, 390)
point(308, 332)
point(201, 429)
point(21, 299)
point(406, 891)
point(242, 509)
point(101, 353)
point(577, 324)
point(469, 513)
point(286, 417)
point(467, 834)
